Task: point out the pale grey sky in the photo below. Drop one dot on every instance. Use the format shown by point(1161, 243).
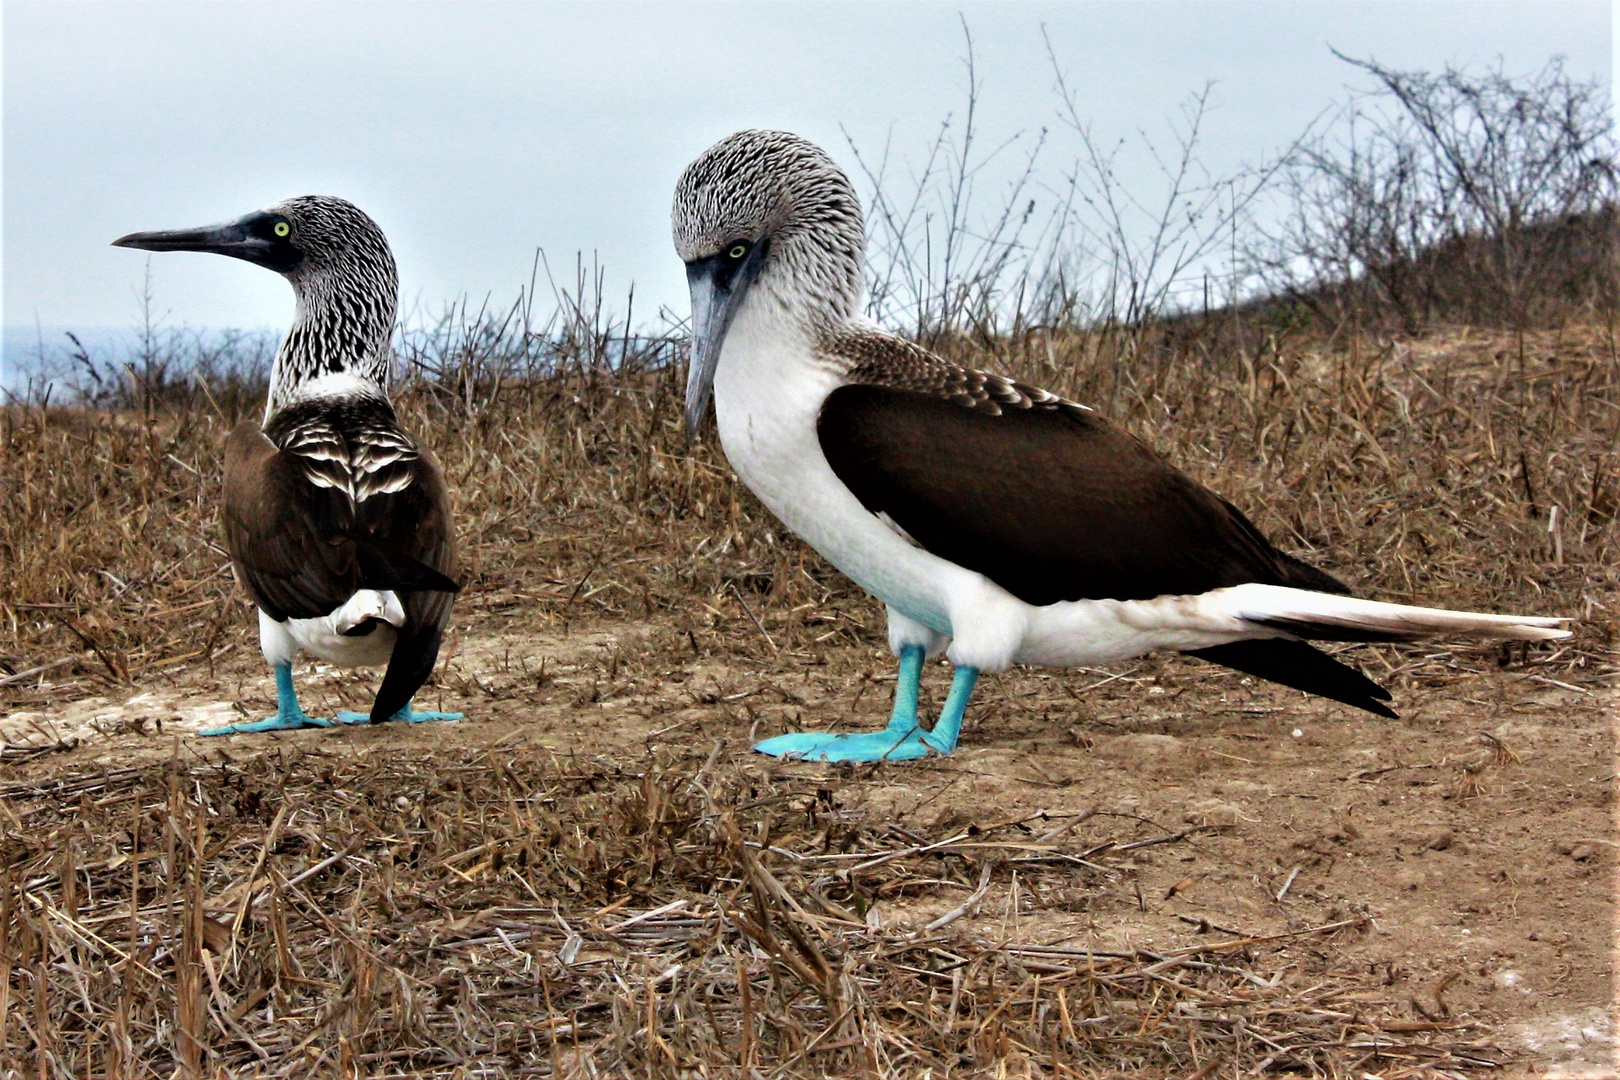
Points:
point(477, 132)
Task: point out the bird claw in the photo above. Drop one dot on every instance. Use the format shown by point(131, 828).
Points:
point(411, 716)
point(903, 740)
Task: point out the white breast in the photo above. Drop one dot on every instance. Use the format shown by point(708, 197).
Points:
point(768, 390)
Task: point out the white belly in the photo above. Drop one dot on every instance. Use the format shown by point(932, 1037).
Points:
point(324, 637)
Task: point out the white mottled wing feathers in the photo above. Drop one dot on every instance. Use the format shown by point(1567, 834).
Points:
point(371, 460)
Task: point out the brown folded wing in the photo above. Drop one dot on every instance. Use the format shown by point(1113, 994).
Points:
point(1053, 503)
point(1043, 497)
point(302, 545)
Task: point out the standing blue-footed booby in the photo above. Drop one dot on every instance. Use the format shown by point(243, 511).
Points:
point(338, 523)
point(1000, 523)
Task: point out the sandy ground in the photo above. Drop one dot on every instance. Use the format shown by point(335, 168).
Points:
point(1478, 832)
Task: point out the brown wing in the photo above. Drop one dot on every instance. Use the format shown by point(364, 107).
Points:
point(1052, 503)
point(1040, 495)
point(426, 610)
point(302, 547)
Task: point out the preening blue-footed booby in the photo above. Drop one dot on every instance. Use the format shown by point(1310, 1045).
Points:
point(1000, 523)
point(338, 523)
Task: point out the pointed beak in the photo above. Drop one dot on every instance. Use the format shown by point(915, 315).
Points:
point(238, 239)
point(716, 296)
point(711, 317)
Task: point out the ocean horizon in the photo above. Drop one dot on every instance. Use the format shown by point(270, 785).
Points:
point(36, 359)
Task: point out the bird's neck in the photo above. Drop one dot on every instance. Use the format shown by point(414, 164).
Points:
point(777, 339)
point(338, 335)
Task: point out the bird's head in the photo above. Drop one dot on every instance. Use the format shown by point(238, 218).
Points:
point(341, 270)
point(308, 238)
point(764, 217)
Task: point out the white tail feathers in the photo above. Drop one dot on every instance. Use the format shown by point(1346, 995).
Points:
point(1325, 615)
point(368, 604)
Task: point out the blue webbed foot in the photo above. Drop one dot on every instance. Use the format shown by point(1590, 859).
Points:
point(903, 740)
point(279, 722)
point(289, 716)
point(885, 745)
point(407, 715)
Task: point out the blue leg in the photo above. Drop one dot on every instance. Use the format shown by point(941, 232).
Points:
point(289, 717)
point(407, 714)
point(903, 740)
point(907, 688)
point(942, 739)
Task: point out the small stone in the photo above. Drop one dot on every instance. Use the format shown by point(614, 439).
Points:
point(1211, 812)
point(1297, 733)
point(1439, 840)
point(1509, 979)
point(1582, 851)
point(1142, 746)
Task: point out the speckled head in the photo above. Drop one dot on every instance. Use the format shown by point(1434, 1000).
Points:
point(331, 238)
point(341, 269)
point(764, 217)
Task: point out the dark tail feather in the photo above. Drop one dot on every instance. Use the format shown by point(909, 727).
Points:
point(1300, 574)
point(392, 570)
point(408, 668)
point(1301, 666)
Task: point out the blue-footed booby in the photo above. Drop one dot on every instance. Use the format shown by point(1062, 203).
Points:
point(998, 522)
point(338, 523)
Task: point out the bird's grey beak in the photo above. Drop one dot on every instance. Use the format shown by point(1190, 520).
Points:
point(239, 239)
point(718, 289)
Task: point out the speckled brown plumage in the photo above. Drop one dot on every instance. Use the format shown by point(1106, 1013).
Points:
point(874, 358)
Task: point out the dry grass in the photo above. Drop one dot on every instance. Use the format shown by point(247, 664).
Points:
point(501, 913)
point(371, 913)
point(1463, 469)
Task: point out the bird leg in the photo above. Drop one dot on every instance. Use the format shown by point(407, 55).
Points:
point(907, 689)
point(903, 739)
point(289, 716)
point(406, 714)
point(943, 738)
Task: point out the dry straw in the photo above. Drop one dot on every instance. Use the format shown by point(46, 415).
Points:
point(507, 913)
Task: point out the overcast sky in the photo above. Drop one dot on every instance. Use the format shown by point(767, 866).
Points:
point(475, 133)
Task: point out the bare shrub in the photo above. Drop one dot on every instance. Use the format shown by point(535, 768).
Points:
point(936, 264)
point(161, 366)
point(1059, 245)
point(1458, 197)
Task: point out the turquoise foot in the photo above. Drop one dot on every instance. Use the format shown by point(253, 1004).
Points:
point(289, 716)
point(885, 745)
point(903, 740)
point(279, 722)
point(407, 714)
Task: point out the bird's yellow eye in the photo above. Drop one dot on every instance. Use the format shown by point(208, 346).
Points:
point(738, 251)
point(282, 229)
